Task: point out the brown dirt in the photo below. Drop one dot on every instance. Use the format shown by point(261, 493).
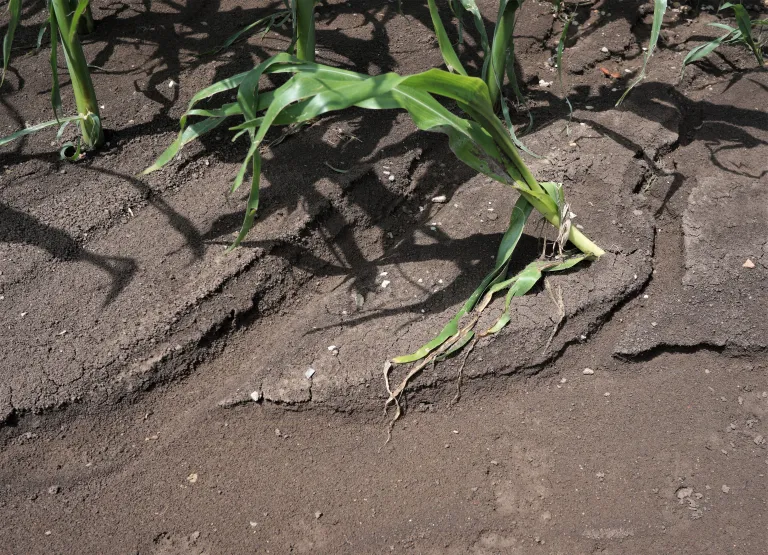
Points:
point(132, 342)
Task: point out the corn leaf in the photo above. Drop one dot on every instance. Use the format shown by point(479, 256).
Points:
point(704, 50)
point(520, 213)
point(34, 128)
point(471, 7)
point(267, 22)
point(79, 10)
point(745, 26)
point(446, 49)
point(659, 9)
point(523, 282)
point(14, 9)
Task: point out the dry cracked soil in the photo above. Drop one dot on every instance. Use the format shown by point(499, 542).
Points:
point(161, 396)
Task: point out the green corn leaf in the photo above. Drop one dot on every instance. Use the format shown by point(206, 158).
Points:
point(81, 7)
point(14, 9)
point(502, 39)
point(745, 26)
point(278, 18)
point(520, 213)
point(702, 51)
point(471, 7)
point(190, 133)
point(446, 49)
point(70, 151)
point(61, 130)
point(253, 197)
point(458, 12)
point(40, 35)
point(659, 9)
point(34, 128)
point(524, 282)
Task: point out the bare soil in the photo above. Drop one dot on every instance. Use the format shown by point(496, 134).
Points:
point(133, 346)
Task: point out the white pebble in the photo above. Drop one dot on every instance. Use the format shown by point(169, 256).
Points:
point(256, 395)
point(440, 199)
point(332, 347)
point(385, 284)
point(309, 373)
point(587, 371)
point(391, 177)
point(604, 50)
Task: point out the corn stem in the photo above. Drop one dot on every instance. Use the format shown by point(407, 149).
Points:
point(82, 86)
point(304, 25)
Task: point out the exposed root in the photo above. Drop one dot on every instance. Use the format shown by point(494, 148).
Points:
point(557, 298)
point(461, 372)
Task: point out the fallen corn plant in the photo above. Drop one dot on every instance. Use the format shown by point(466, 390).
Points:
point(741, 35)
point(64, 19)
point(480, 140)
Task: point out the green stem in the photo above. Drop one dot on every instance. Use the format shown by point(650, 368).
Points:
point(575, 236)
point(584, 243)
point(304, 24)
point(82, 86)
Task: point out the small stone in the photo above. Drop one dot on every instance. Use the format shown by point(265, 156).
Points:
point(759, 440)
point(192, 478)
point(588, 107)
point(172, 84)
point(309, 373)
point(725, 489)
point(682, 493)
point(318, 514)
point(604, 50)
point(440, 199)
point(53, 490)
point(748, 264)
point(544, 84)
point(606, 394)
point(385, 284)
point(332, 347)
point(391, 177)
point(563, 380)
point(256, 395)
point(637, 212)
point(587, 371)
point(495, 463)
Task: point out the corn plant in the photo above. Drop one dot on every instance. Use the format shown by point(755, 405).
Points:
point(64, 19)
point(479, 139)
point(741, 35)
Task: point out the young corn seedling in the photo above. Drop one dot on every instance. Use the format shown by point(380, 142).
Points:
point(64, 19)
point(741, 35)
